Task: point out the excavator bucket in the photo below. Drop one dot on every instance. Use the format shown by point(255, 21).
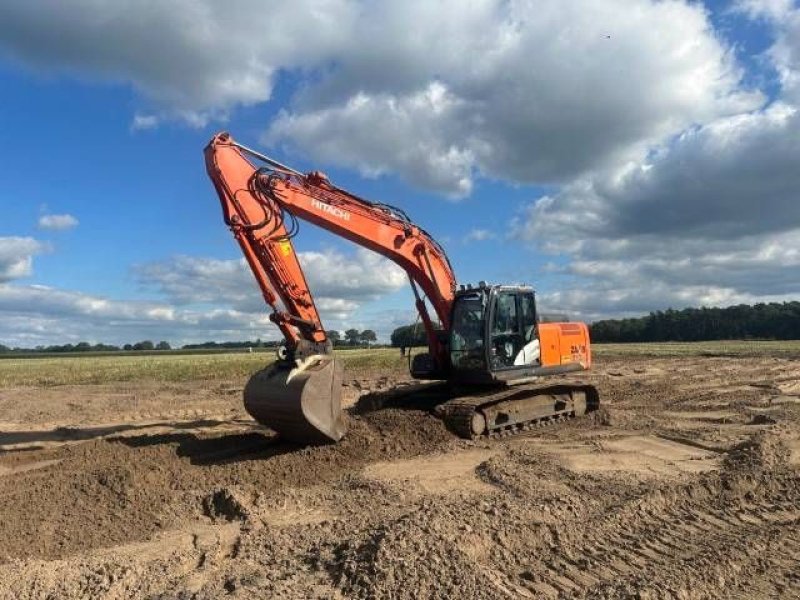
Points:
point(302, 403)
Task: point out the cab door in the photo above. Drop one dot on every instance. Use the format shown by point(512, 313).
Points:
point(505, 336)
point(513, 341)
point(529, 354)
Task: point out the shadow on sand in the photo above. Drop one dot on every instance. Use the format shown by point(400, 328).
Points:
point(72, 434)
point(221, 449)
point(423, 396)
point(202, 445)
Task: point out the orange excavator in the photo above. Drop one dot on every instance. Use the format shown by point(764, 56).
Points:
point(485, 341)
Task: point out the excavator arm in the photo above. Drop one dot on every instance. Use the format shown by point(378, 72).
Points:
point(261, 233)
point(261, 205)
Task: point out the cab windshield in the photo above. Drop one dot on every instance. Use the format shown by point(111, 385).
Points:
point(467, 349)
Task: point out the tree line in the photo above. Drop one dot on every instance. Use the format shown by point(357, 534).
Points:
point(778, 321)
point(87, 347)
point(351, 337)
point(409, 336)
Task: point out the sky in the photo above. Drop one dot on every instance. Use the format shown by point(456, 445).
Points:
point(621, 156)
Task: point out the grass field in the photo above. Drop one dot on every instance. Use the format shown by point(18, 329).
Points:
point(89, 369)
point(733, 348)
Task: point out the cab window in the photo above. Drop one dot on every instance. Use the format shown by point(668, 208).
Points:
point(506, 337)
point(505, 315)
point(528, 312)
point(467, 350)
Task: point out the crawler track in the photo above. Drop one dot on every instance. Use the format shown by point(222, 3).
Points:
point(517, 409)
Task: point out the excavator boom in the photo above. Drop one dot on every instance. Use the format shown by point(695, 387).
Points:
point(299, 396)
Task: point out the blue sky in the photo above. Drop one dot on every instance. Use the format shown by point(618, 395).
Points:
point(621, 156)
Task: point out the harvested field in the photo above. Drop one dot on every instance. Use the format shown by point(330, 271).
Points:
point(148, 480)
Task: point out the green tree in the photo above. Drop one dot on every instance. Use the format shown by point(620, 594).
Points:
point(408, 336)
point(352, 336)
point(368, 336)
point(761, 321)
point(334, 336)
point(163, 346)
point(145, 345)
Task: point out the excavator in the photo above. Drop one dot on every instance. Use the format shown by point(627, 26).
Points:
point(485, 342)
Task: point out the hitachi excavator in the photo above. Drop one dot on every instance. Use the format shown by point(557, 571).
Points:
point(484, 341)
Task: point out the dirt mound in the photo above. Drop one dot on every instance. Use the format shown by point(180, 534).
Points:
point(108, 492)
point(89, 499)
point(419, 547)
point(763, 451)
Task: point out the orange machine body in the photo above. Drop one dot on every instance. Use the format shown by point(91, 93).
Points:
point(563, 344)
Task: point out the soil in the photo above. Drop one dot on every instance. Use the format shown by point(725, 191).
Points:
point(686, 484)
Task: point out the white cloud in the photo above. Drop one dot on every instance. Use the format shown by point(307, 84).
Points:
point(771, 9)
point(190, 280)
point(35, 315)
point(362, 276)
point(697, 227)
point(339, 282)
point(524, 91)
point(39, 315)
point(372, 133)
point(192, 59)
point(201, 299)
point(16, 256)
point(785, 54)
point(710, 218)
point(143, 122)
point(734, 177)
point(608, 300)
point(784, 17)
point(480, 235)
point(527, 91)
point(57, 222)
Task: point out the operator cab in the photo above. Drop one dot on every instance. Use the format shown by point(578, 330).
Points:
point(493, 334)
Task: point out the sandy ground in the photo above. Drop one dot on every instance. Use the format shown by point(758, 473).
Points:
point(685, 485)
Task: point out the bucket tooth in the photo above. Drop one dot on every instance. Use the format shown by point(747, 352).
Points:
point(301, 402)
